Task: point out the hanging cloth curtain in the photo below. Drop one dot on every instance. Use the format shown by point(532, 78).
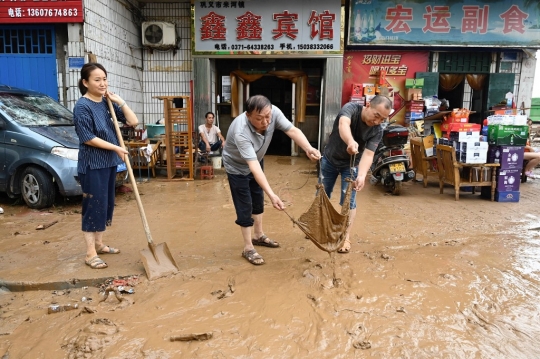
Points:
point(476, 81)
point(239, 78)
point(301, 80)
point(450, 81)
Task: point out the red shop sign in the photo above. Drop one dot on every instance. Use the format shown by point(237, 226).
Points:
point(40, 11)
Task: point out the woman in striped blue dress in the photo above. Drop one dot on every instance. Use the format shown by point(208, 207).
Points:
point(99, 156)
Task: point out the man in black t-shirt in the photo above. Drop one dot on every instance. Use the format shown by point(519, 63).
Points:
point(355, 135)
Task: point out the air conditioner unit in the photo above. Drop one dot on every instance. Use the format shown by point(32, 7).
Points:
point(158, 34)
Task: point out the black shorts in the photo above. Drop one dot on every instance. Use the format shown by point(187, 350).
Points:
point(248, 198)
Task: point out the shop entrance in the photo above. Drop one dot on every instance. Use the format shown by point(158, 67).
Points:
point(293, 85)
point(279, 92)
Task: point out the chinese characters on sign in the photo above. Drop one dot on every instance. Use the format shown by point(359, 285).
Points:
point(277, 26)
point(455, 23)
point(40, 11)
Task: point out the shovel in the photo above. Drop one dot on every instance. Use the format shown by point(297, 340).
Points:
point(157, 259)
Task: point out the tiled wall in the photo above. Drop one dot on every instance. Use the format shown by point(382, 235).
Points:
point(110, 32)
point(167, 73)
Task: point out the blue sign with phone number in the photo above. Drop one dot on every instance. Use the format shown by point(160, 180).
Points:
point(75, 62)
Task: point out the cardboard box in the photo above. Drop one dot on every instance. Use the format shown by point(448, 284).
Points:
point(460, 127)
point(475, 157)
point(511, 111)
point(414, 83)
point(512, 196)
point(508, 135)
point(356, 90)
point(464, 136)
point(509, 157)
point(369, 89)
point(508, 180)
point(428, 144)
point(413, 94)
point(473, 146)
point(507, 196)
point(414, 115)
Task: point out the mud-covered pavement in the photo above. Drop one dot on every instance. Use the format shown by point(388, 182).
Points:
point(426, 277)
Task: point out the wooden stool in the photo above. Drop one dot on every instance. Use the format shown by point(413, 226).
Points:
point(207, 172)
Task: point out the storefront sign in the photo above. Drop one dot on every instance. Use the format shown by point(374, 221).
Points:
point(363, 67)
point(40, 11)
point(256, 27)
point(496, 23)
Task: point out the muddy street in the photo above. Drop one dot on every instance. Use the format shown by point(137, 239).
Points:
point(427, 277)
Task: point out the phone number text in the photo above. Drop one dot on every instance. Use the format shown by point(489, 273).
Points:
point(264, 47)
point(50, 12)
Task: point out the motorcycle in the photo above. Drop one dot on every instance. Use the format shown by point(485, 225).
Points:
point(391, 166)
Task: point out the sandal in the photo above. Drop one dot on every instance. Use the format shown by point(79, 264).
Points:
point(96, 263)
point(346, 247)
point(265, 242)
point(253, 257)
point(110, 251)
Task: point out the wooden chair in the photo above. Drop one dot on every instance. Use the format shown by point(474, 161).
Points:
point(422, 164)
point(463, 174)
point(139, 159)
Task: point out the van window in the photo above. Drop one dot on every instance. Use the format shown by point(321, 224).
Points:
point(31, 110)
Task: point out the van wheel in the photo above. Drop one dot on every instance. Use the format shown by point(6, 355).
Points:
point(37, 188)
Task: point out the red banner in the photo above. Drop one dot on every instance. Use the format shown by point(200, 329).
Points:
point(40, 11)
point(363, 67)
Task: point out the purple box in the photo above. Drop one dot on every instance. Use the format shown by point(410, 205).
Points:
point(509, 157)
point(512, 196)
point(508, 180)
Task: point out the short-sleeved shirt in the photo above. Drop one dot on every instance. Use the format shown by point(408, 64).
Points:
point(244, 143)
point(93, 119)
point(366, 136)
point(210, 133)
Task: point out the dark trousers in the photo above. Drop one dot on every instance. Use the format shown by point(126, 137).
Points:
point(98, 188)
point(213, 146)
point(248, 198)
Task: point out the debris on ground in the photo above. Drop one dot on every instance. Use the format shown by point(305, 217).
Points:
point(190, 337)
point(47, 225)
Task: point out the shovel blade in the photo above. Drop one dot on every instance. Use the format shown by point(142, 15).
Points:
point(160, 263)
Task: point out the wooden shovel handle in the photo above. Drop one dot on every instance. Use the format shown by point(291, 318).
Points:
point(131, 177)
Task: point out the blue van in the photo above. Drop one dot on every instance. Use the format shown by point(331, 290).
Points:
point(38, 148)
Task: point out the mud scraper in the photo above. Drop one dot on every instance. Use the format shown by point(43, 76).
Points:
point(157, 259)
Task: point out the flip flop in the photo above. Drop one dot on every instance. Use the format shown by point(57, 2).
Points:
point(345, 248)
point(96, 263)
point(253, 257)
point(110, 251)
point(264, 241)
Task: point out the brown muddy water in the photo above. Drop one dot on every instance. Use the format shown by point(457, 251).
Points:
point(427, 277)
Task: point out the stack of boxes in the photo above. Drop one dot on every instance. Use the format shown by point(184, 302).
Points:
point(364, 93)
point(413, 89)
point(414, 105)
point(464, 137)
point(414, 111)
point(507, 136)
